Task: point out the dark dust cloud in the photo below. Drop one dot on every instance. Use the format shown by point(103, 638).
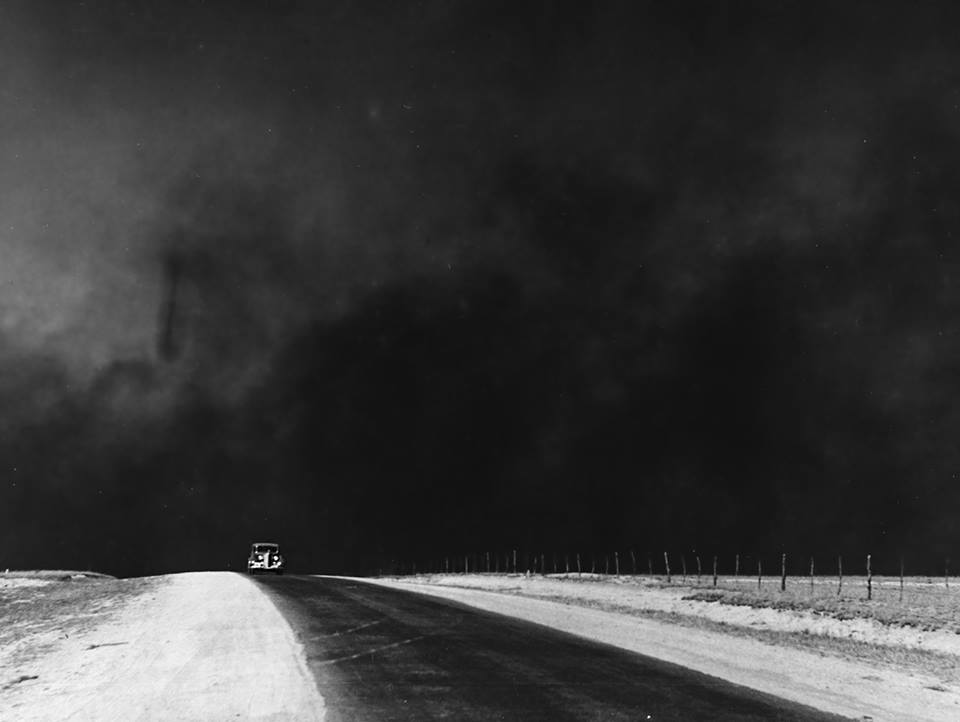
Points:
point(395, 282)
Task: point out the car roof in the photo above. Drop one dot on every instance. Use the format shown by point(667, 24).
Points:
point(265, 544)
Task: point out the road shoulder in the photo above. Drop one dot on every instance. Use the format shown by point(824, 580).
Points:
point(197, 646)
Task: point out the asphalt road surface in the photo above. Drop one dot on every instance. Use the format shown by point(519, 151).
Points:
point(383, 654)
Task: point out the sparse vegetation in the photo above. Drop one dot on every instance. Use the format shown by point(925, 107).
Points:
point(920, 603)
point(923, 602)
point(52, 574)
point(39, 607)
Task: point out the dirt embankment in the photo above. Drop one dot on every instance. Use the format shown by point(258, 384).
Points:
point(843, 661)
point(200, 646)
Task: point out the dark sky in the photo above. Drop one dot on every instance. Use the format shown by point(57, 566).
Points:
point(395, 282)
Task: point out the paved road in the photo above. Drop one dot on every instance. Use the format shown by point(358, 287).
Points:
point(383, 654)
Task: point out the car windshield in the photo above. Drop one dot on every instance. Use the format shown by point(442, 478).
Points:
point(264, 548)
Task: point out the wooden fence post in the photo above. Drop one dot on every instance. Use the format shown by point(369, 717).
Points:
point(666, 563)
point(514, 561)
point(633, 559)
point(783, 572)
point(759, 573)
point(901, 579)
point(839, 574)
point(683, 566)
point(811, 575)
point(698, 568)
point(616, 562)
point(714, 570)
point(650, 565)
point(869, 580)
point(736, 568)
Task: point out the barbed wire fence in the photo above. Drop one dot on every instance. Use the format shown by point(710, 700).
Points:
point(799, 574)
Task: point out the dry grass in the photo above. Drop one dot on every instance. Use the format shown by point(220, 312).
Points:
point(925, 603)
point(37, 608)
point(946, 667)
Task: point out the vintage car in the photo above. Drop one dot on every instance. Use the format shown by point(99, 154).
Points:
point(265, 557)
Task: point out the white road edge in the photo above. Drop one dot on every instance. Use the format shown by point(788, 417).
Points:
point(207, 646)
point(830, 684)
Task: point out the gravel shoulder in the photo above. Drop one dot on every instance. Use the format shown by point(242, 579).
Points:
point(197, 646)
point(856, 667)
